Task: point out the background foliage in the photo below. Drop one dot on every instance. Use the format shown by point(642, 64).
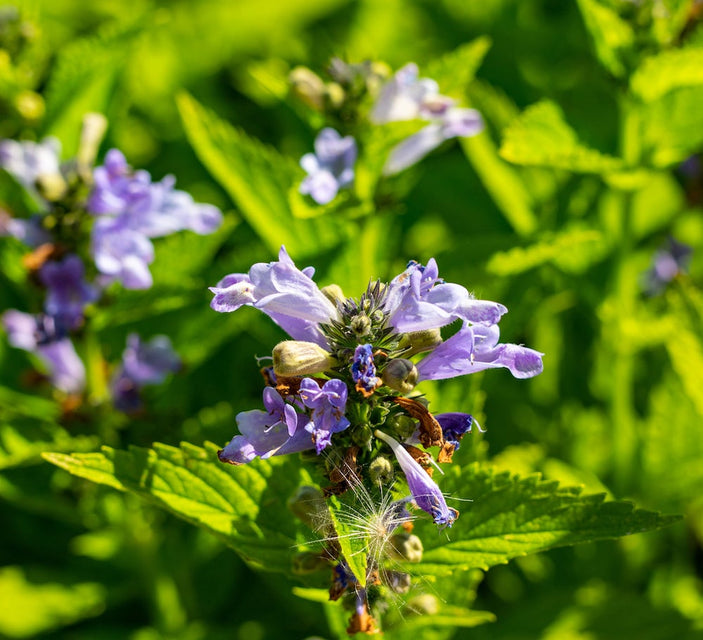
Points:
point(555, 210)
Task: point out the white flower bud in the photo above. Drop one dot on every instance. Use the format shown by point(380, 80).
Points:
point(405, 546)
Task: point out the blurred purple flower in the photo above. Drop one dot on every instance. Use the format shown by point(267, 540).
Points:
point(27, 161)
point(328, 404)
point(278, 430)
point(667, 263)
point(330, 168)
point(286, 294)
point(67, 290)
point(131, 209)
point(143, 363)
point(407, 97)
point(27, 230)
point(41, 336)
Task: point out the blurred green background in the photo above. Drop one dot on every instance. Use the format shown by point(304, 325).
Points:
point(547, 227)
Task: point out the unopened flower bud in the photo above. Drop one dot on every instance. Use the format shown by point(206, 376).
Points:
point(92, 133)
point(360, 325)
point(400, 374)
point(403, 425)
point(419, 341)
point(335, 95)
point(308, 562)
point(362, 436)
point(309, 506)
point(405, 546)
point(51, 186)
point(423, 604)
point(298, 358)
point(381, 470)
point(308, 87)
point(334, 293)
point(398, 581)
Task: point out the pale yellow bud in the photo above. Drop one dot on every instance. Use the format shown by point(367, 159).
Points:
point(405, 546)
point(334, 293)
point(92, 133)
point(400, 374)
point(308, 87)
point(419, 341)
point(298, 358)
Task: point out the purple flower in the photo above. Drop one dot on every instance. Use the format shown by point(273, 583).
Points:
point(40, 335)
point(122, 254)
point(330, 168)
point(287, 295)
point(667, 263)
point(419, 300)
point(328, 404)
point(475, 348)
point(363, 369)
point(277, 431)
point(133, 209)
point(67, 290)
point(424, 490)
point(407, 97)
point(27, 161)
point(27, 230)
point(143, 363)
point(455, 425)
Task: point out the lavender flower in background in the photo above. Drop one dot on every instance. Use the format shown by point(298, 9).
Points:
point(28, 161)
point(330, 168)
point(131, 209)
point(667, 263)
point(41, 336)
point(143, 363)
point(67, 290)
point(408, 97)
point(26, 230)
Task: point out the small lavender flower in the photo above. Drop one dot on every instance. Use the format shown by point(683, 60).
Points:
point(67, 290)
point(41, 336)
point(28, 161)
point(363, 369)
point(667, 263)
point(131, 209)
point(425, 491)
point(475, 348)
point(330, 168)
point(455, 426)
point(143, 363)
point(27, 230)
point(407, 97)
point(328, 404)
point(287, 295)
point(278, 430)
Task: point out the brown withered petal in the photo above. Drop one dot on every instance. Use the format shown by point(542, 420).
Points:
point(362, 622)
point(446, 452)
point(430, 429)
point(340, 476)
point(421, 457)
point(35, 260)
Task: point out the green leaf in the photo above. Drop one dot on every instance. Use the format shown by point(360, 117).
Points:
point(31, 606)
point(613, 38)
point(455, 70)
point(573, 251)
point(245, 505)
point(511, 516)
point(15, 198)
point(541, 137)
point(258, 179)
point(351, 542)
point(667, 71)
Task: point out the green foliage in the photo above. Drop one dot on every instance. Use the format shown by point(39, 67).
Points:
point(541, 137)
point(258, 179)
point(510, 517)
point(244, 506)
point(454, 71)
point(667, 71)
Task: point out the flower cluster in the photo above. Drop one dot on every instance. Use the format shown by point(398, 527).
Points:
point(341, 386)
point(403, 97)
point(108, 214)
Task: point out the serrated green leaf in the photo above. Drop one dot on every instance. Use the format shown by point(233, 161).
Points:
point(30, 606)
point(455, 70)
point(573, 251)
point(258, 179)
point(667, 71)
point(245, 506)
point(541, 137)
point(613, 37)
point(511, 516)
